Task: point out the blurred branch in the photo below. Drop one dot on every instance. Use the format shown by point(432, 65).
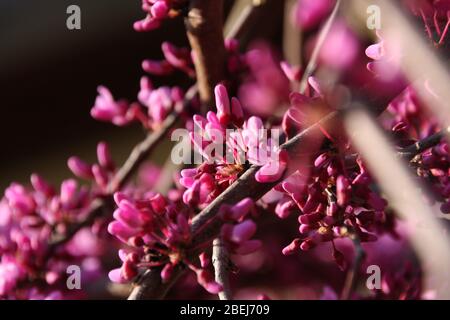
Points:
point(350, 280)
point(204, 25)
point(406, 196)
point(312, 64)
point(239, 17)
point(141, 152)
point(292, 36)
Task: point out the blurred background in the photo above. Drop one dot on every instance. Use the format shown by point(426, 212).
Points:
point(49, 76)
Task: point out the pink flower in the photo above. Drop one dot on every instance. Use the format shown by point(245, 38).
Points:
point(159, 102)
point(10, 274)
point(341, 47)
point(309, 13)
point(387, 59)
point(267, 87)
point(109, 110)
point(274, 169)
point(101, 173)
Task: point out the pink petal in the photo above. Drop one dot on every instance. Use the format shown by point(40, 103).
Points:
point(243, 231)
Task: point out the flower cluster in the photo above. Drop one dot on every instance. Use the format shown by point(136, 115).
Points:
point(159, 103)
point(409, 123)
point(158, 234)
point(102, 173)
point(30, 219)
point(325, 186)
point(336, 201)
point(228, 153)
point(157, 11)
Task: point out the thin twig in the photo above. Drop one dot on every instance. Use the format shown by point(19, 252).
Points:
point(350, 280)
point(420, 146)
point(221, 262)
point(312, 64)
point(239, 17)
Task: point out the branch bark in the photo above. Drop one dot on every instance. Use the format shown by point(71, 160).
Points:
point(221, 262)
point(204, 25)
point(410, 152)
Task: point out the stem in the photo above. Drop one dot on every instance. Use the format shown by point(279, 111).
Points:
point(312, 64)
point(141, 152)
point(204, 25)
point(221, 261)
point(352, 274)
point(420, 146)
point(239, 17)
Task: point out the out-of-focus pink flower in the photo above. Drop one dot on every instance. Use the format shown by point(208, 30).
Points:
point(29, 220)
point(10, 273)
point(386, 57)
point(309, 13)
point(267, 87)
point(340, 48)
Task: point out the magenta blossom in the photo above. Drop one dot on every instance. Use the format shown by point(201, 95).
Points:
point(309, 13)
point(107, 109)
point(226, 152)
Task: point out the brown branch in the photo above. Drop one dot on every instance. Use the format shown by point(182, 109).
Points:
point(221, 263)
point(411, 151)
point(204, 25)
point(141, 152)
point(150, 286)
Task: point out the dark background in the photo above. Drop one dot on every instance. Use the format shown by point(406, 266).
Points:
point(49, 76)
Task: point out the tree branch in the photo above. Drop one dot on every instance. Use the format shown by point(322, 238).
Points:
point(221, 262)
point(410, 152)
point(204, 25)
point(151, 287)
point(350, 280)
